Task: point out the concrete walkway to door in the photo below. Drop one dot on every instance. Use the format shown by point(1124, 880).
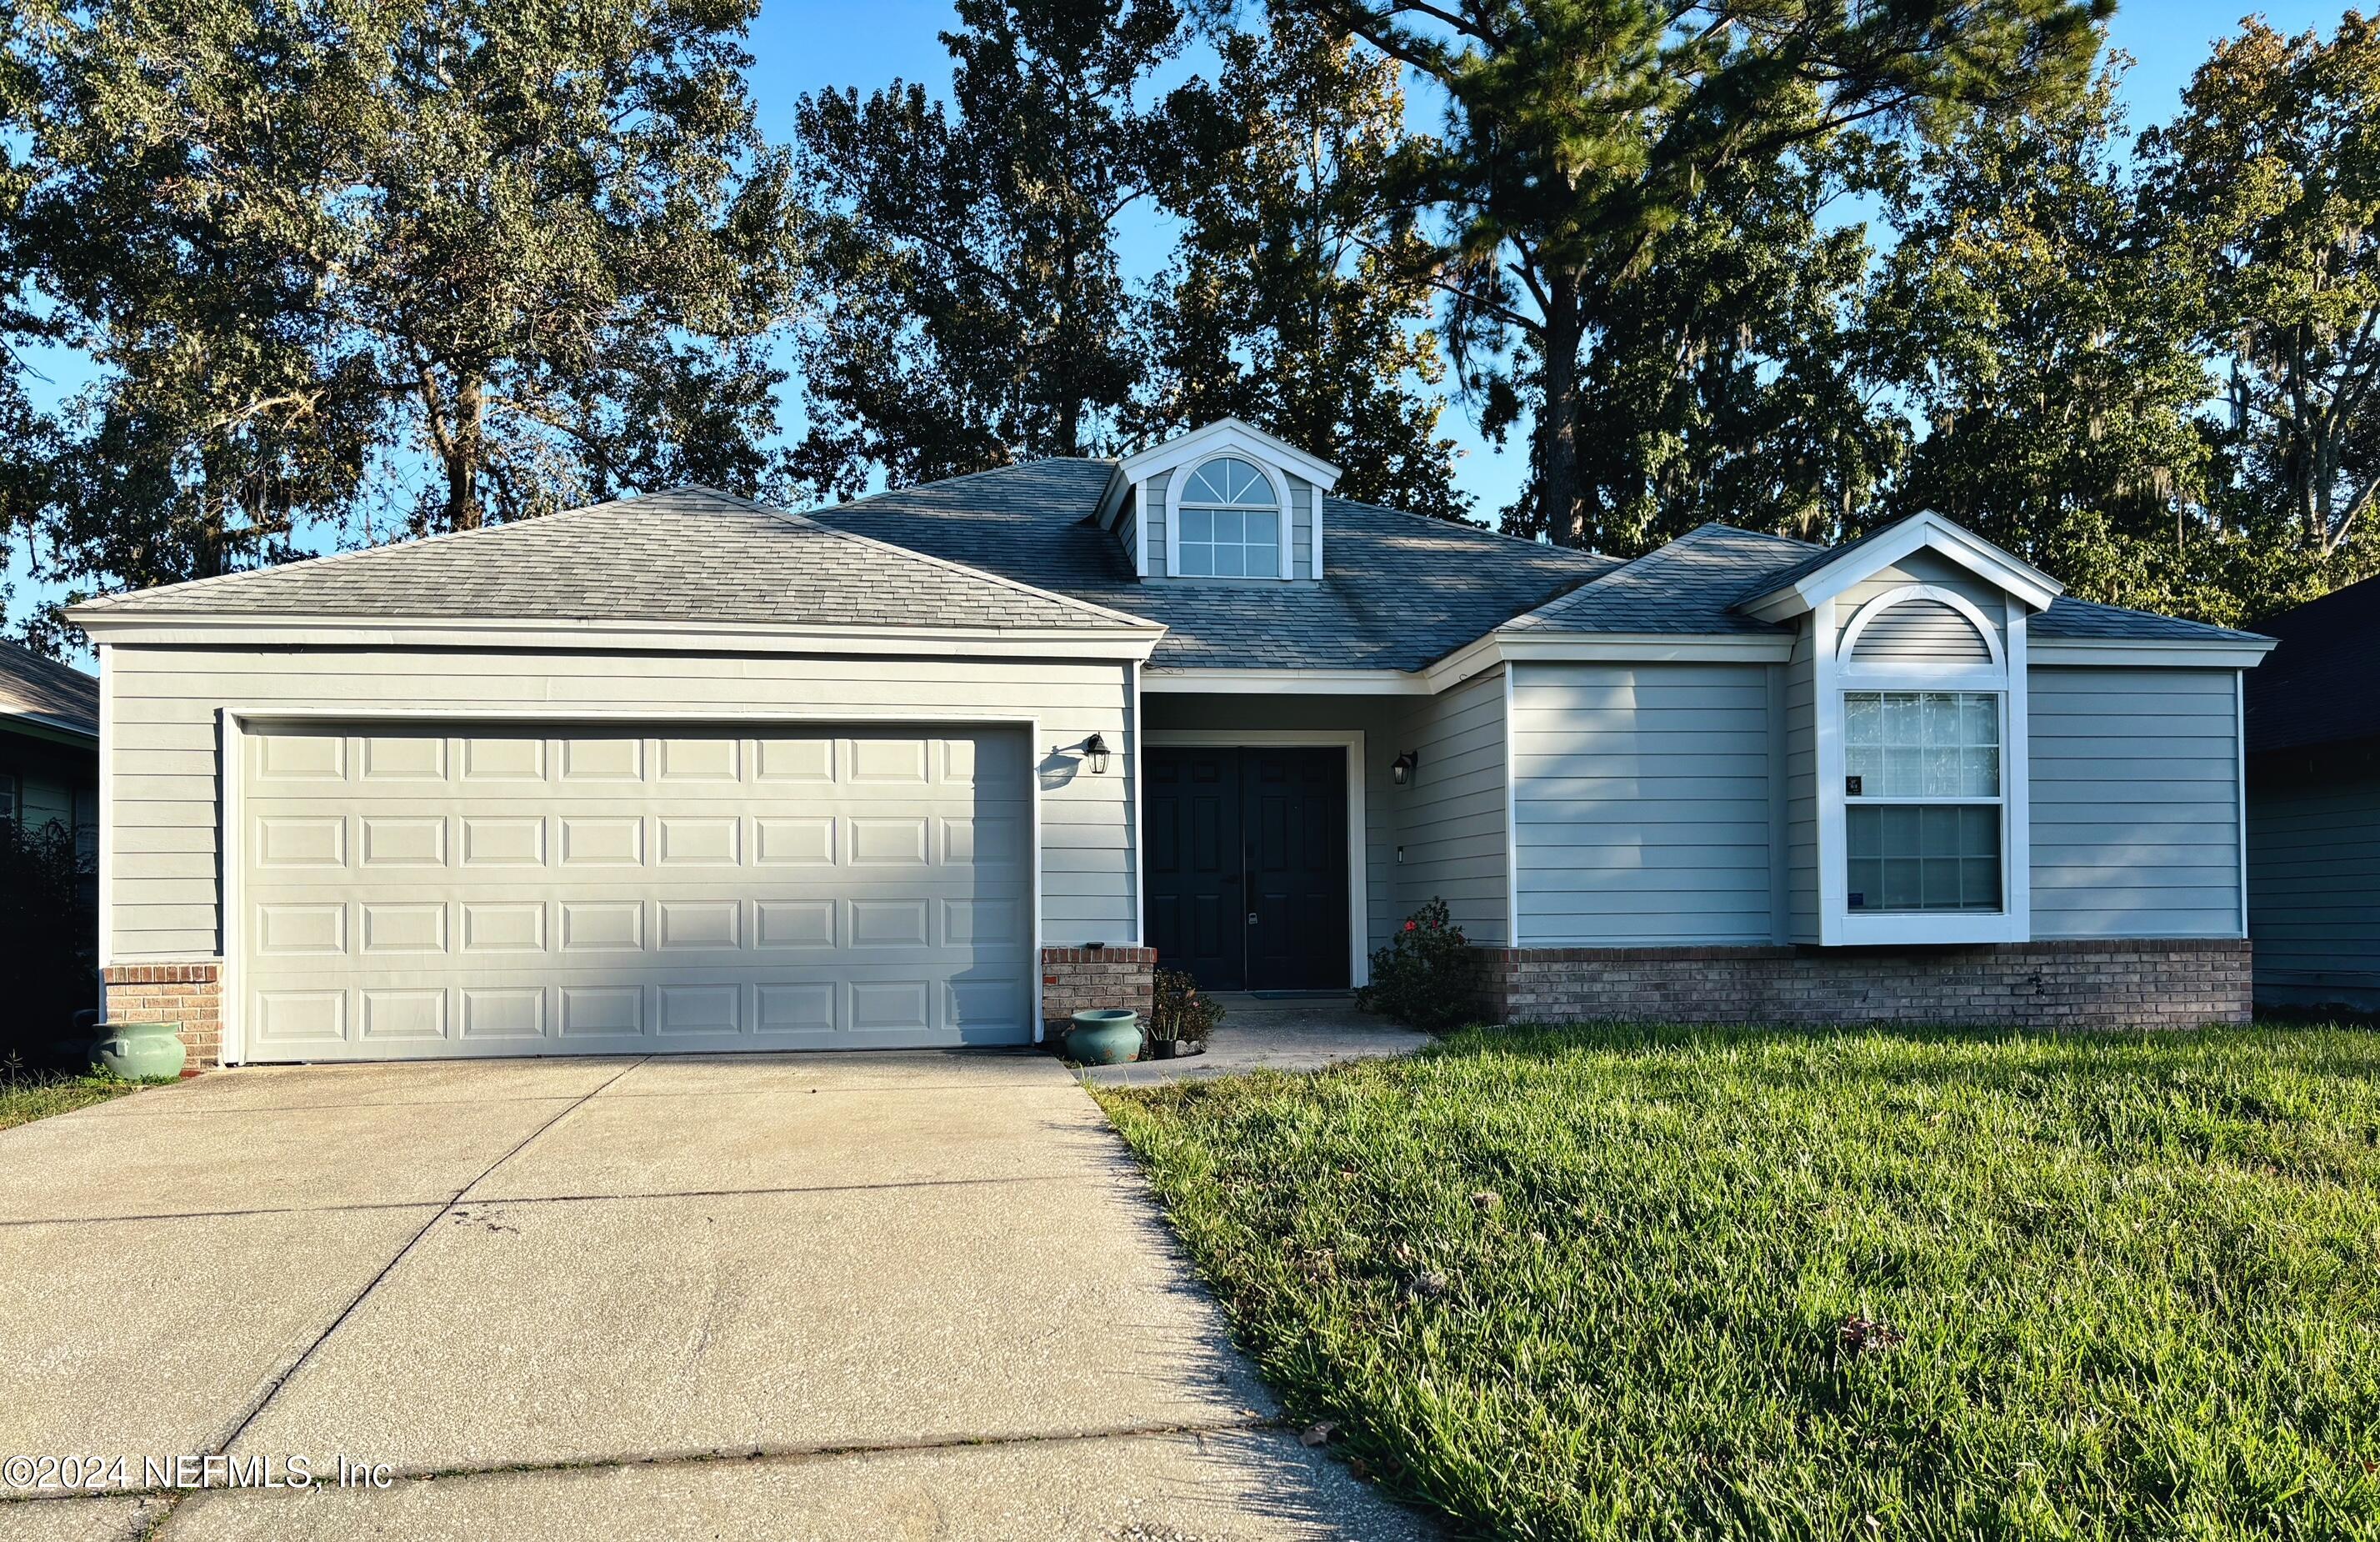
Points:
point(820, 1296)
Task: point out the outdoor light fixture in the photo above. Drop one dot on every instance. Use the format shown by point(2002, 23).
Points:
point(1094, 750)
point(1404, 766)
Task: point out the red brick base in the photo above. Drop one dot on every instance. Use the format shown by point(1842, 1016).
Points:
point(2164, 983)
point(1076, 980)
point(188, 994)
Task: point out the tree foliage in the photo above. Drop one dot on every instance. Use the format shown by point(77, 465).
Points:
point(502, 259)
point(2271, 177)
point(967, 307)
point(1580, 132)
point(1280, 307)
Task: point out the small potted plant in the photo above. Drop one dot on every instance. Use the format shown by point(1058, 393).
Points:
point(1180, 1018)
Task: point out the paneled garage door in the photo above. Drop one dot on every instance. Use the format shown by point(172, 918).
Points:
point(458, 890)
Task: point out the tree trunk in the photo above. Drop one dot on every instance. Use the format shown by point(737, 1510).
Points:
point(467, 454)
point(1558, 417)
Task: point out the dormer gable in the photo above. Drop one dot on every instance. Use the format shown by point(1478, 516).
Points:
point(1224, 503)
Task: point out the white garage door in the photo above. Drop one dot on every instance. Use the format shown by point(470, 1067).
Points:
point(458, 890)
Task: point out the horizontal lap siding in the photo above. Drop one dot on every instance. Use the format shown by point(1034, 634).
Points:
point(2313, 886)
point(1451, 819)
point(1643, 797)
point(2135, 803)
point(1923, 568)
point(162, 745)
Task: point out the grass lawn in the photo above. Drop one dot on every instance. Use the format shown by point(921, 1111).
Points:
point(1647, 1282)
point(26, 1097)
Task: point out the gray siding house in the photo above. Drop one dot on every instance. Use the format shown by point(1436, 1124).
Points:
point(49, 746)
point(2314, 806)
point(940, 766)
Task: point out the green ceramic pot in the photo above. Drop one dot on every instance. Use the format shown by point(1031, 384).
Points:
point(1104, 1036)
point(137, 1051)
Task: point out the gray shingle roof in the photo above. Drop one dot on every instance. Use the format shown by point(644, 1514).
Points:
point(1692, 586)
point(688, 555)
point(44, 691)
point(1399, 591)
point(1694, 583)
point(2322, 684)
point(1015, 549)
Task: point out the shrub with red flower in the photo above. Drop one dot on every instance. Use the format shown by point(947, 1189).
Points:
point(1424, 976)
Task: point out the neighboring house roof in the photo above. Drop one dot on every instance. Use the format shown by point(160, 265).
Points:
point(45, 692)
point(1399, 591)
point(2322, 684)
point(688, 555)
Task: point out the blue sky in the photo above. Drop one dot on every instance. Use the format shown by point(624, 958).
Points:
point(806, 45)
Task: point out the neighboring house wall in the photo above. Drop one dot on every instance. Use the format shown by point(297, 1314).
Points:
point(1644, 803)
point(2135, 802)
point(1377, 718)
point(164, 748)
point(1450, 820)
point(53, 783)
point(2314, 876)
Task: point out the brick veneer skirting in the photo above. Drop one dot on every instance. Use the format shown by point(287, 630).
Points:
point(188, 995)
point(1076, 980)
point(2171, 983)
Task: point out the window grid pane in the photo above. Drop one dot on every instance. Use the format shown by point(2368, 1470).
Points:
point(1231, 522)
point(1922, 743)
point(1906, 856)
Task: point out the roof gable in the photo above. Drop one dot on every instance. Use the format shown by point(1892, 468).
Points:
point(1223, 436)
point(2318, 685)
point(1826, 574)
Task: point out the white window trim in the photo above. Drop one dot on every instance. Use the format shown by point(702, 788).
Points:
point(1839, 925)
point(1181, 477)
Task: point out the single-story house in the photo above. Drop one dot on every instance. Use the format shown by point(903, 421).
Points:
point(2313, 805)
point(937, 767)
point(49, 746)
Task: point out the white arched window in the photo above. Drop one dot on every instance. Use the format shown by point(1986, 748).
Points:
point(1229, 514)
point(1924, 729)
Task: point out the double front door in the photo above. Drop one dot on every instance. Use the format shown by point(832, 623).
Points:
point(1248, 875)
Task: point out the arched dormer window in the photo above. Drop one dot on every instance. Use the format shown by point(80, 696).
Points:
point(1230, 515)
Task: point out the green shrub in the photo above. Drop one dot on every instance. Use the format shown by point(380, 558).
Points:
point(1424, 976)
point(1179, 1011)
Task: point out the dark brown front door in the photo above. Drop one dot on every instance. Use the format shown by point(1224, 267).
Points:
point(1248, 867)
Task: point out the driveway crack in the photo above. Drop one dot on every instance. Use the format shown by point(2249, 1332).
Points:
point(451, 1207)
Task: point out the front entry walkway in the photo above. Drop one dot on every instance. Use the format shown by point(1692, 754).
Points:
point(758, 1296)
point(1277, 1033)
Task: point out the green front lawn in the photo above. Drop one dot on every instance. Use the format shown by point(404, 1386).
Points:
point(27, 1096)
point(1663, 1282)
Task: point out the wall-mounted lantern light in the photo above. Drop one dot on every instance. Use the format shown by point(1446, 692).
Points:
point(1402, 768)
point(1095, 750)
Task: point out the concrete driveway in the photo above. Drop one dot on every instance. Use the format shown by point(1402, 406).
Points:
point(893, 1295)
